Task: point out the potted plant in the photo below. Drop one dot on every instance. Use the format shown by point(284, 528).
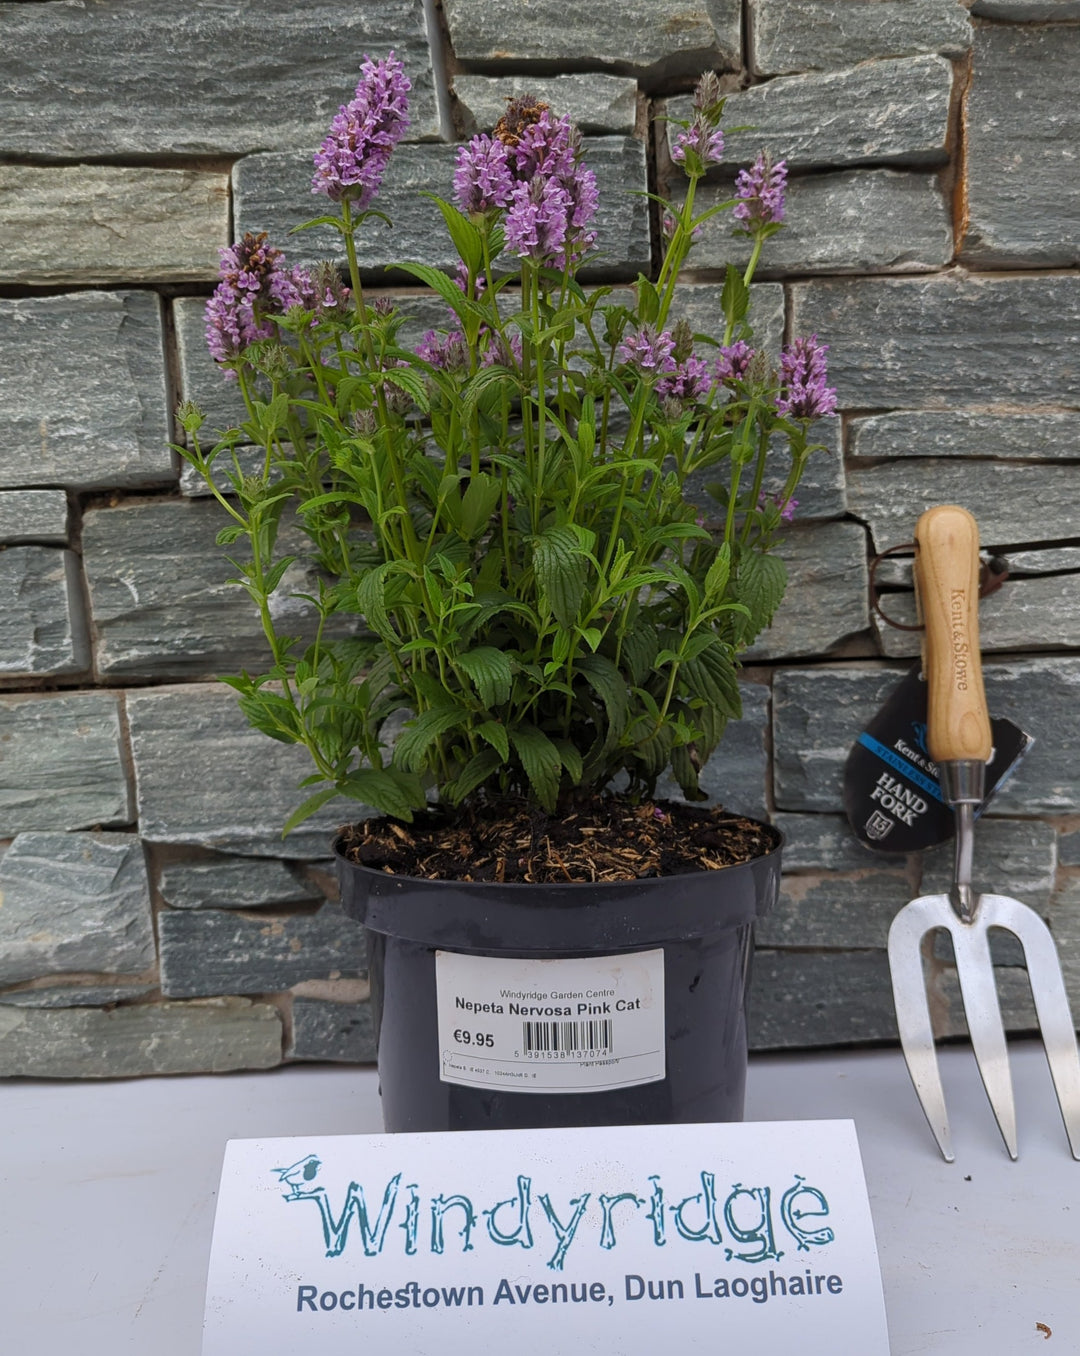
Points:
point(522, 621)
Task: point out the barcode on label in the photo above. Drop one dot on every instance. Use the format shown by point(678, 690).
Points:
point(593, 1037)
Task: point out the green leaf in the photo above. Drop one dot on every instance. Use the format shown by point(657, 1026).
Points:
point(610, 686)
point(719, 571)
point(419, 734)
point(560, 566)
point(712, 676)
point(762, 580)
point(454, 297)
point(495, 734)
point(308, 808)
point(371, 600)
point(475, 772)
point(571, 759)
point(640, 647)
point(490, 672)
point(648, 300)
point(386, 790)
point(478, 504)
point(467, 239)
point(541, 761)
point(412, 383)
point(230, 533)
point(735, 298)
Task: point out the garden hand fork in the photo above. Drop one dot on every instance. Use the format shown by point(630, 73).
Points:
point(958, 739)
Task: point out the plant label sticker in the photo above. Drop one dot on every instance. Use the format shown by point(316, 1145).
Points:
point(691, 1238)
point(587, 1024)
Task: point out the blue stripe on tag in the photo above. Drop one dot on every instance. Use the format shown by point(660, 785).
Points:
point(901, 765)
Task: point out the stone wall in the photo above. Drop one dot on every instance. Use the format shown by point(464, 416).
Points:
point(153, 920)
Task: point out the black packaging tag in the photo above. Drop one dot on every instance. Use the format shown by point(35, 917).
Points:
point(891, 791)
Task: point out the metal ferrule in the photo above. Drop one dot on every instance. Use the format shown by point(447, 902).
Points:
point(963, 781)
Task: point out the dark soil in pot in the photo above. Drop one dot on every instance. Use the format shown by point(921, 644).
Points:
point(619, 999)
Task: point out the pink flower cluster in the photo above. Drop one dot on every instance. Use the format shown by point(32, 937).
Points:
point(254, 286)
point(532, 168)
point(351, 160)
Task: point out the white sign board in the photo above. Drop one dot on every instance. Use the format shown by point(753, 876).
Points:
point(700, 1238)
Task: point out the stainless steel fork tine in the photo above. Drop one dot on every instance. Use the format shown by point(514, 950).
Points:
point(978, 989)
point(1051, 1003)
point(913, 1010)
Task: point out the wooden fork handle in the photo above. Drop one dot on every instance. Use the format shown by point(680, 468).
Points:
point(947, 580)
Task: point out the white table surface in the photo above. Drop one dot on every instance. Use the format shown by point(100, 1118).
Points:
point(107, 1199)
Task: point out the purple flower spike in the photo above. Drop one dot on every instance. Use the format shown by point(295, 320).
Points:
point(446, 351)
point(760, 191)
point(691, 380)
point(648, 351)
point(537, 222)
point(351, 161)
point(803, 393)
point(254, 287)
point(707, 141)
point(733, 361)
point(482, 180)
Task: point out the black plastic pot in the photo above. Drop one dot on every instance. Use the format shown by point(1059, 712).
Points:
point(703, 922)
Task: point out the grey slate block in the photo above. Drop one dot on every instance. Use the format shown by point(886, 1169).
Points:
point(74, 902)
point(1035, 613)
point(857, 221)
point(880, 113)
point(736, 774)
point(160, 597)
point(826, 600)
point(42, 621)
point(802, 35)
point(202, 381)
point(61, 765)
point(134, 225)
point(1023, 127)
point(936, 343)
point(1045, 436)
point(826, 843)
point(212, 951)
point(1068, 849)
point(141, 77)
point(153, 1038)
point(271, 194)
point(34, 516)
point(234, 883)
point(338, 1032)
point(204, 776)
point(1012, 857)
point(655, 39)
point(599, 105)
point(1012, 503)
point(818, 714)
point(835, 912)
point(1027, 11)
point(802, 999)
point(74, 995)
point(82, 391)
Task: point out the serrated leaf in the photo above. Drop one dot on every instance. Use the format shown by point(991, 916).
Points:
point(371, 600)
point(719, 572)
point(735, 298)
point(412, 383)
point(420, 733)
point(495, 734)
point(712, 676)
point(490, 672)
point(229, 533)
point(762, 580)
point(640, 647)
point(571, 759)
point(390, 792)
point(475, 772)
point(610, 686)
point(560, 566)
point(478, 504)
point(541, 761)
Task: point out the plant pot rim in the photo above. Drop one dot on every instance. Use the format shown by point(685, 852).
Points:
point(524, 887)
